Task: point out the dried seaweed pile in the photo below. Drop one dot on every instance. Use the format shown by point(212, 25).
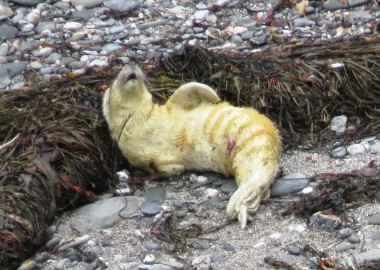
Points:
point(301, 87)
point(55, 152)
point(336, 192)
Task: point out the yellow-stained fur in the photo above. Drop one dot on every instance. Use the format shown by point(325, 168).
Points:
point(194, 132)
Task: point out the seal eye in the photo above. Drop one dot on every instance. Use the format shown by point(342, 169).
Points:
point(132, 76)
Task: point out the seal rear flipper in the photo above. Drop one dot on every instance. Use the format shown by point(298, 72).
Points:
point(191, 95)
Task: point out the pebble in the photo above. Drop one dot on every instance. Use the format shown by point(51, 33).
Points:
point(355, 149)
point(229, 247)
point(153, 200)
point(121, 6)
point(86, 3)
point(289, 184)
point(338, 124)
point(339, 152)
point(344, 233)
point(149, 258)
point(218, 258)
point(294, 250)
point(367, 257)
point(375, 236)
point(8, 32)
point(374, 219)
point(152, 246)
point(324, 221)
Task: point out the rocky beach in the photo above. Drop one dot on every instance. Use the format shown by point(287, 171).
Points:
point(51, 39)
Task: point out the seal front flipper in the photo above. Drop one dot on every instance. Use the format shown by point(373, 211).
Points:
point(191, 95)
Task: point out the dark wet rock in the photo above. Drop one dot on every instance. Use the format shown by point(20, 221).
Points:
point(259, 40)
point(289, 184)
point(202, 245)
point(121, 6)
point(152, 246)
point(344, 233)
point(374, 219)
point(327, 222)
point(353, 239)
point(229, 186)
point(153, 200)
point(12, 69)
point(27, 2)
point(8, 32)
point(150, 208)
point(229, 247)
point(294, 250)
point(339, 152)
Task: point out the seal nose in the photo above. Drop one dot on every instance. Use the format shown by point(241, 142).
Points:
point(132, 76)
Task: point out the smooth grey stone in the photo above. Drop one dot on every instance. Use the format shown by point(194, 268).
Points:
point(328, 23)
point(259, 40)
point(354, 3)
point(247, 35)
point(229, 247)
point(8, 32)
point(303, 22)
point(360, 16)
point(353, 239)
point(12, 69)
point(289, 184)
point(202, 245)
point(229, 186)
point(339, 152)
point(5, 81)
point(29, 45)
point(115, 29)
point(158, 266)
point(375, 236)
point(112, 47)
point(67, 60)
point(344, 233)
point(218, 258)
point(105, 213)
point(345, 247)
point(236, 39)
point(53, 58)
point(152, 246)
point(84, 15)
point(150, 208)
point(367, 257)
point(76, 65)
point(374, 219)
point(3, 50)
point(335, 4)
point(294, 250)
point(46, 70)
point(355, 149)
point(3, 60)
point(121, 6)
point(174, 264)
point(86, 3)
point(27, 2)
point(46, 26)
point(155, 195)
